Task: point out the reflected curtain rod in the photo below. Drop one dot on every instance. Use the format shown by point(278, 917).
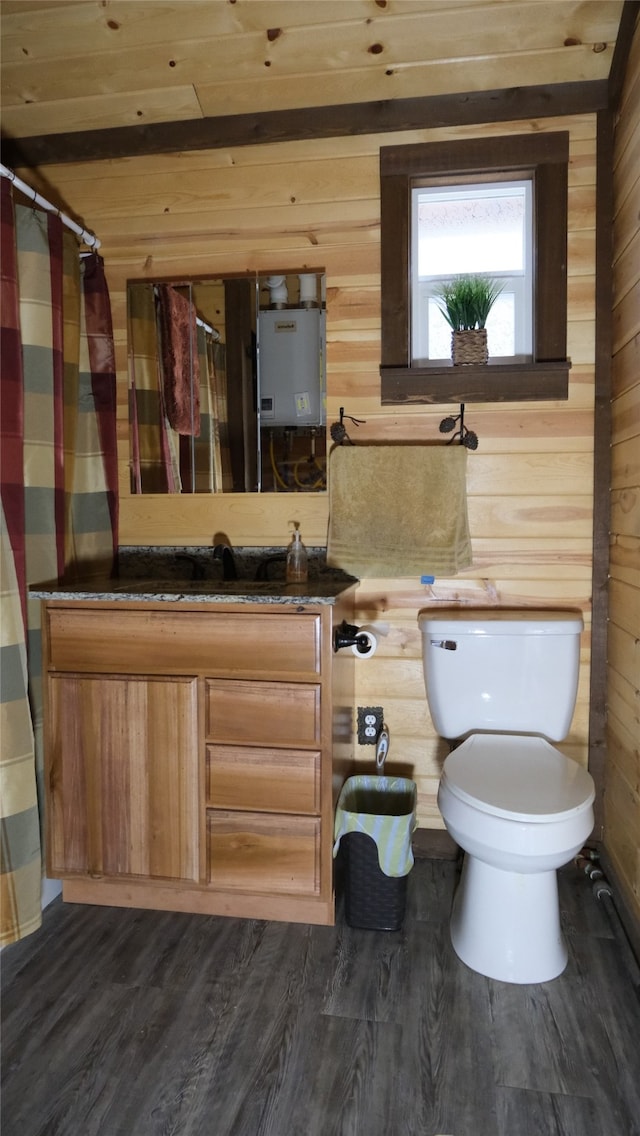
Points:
point(89, 239)
point(213, 331)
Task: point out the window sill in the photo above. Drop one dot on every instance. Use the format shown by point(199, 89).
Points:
point(490, 382)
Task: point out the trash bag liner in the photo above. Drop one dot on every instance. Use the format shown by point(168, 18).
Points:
point(383, 808)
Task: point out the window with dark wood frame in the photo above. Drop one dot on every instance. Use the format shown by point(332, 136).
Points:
point(545, 158)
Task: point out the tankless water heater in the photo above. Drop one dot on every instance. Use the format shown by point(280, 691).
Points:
point(291, 367)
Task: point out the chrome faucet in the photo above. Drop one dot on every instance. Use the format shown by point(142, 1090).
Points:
point(224, 553)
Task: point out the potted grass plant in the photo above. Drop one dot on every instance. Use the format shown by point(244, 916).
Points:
point(465, 303)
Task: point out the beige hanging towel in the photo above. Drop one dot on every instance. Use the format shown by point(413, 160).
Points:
point(398, 510)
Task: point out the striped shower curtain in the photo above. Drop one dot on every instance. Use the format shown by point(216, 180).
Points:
point(58, 479)
point(206, 447)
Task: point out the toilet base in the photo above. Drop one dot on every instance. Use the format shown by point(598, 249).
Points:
point(506, 925)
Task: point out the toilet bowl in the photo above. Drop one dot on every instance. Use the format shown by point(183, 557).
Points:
point(503, 685)
point(520, 810)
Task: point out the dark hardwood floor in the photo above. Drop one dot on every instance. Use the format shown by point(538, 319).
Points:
point(141, 1023)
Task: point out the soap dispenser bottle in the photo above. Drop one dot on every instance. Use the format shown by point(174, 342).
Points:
point(297, 565)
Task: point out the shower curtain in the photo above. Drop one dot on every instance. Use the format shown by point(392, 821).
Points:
point(207, 468)
point(155, 444)
point(58, 476)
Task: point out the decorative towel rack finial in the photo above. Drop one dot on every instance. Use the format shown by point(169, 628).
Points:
point(466, 437)
point(338, 430)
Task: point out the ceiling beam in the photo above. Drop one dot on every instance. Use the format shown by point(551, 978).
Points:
point(621, 52)
point(228, 131)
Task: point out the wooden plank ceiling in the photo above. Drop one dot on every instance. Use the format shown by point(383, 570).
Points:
point(87, 66)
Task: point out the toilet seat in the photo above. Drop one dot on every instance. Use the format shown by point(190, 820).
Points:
point(518, 777)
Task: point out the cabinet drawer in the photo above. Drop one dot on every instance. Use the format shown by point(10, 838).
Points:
point(265, 780)
point(259, 852)
point(173, 641)
point(267, 713)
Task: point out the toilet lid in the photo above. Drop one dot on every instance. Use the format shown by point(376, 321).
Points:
point(517, 777)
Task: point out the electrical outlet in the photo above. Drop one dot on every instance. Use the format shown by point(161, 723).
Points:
point(370, 719)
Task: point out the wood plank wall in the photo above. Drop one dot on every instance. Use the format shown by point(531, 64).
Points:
point(316, 205)
point(622, 781)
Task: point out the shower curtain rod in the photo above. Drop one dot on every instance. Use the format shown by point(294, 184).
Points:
point(89, 239)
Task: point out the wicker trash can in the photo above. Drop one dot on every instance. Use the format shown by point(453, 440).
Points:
point(375, 819)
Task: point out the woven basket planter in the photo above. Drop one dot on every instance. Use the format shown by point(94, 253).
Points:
point(469, 347)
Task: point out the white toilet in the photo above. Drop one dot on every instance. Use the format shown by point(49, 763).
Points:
point(506, 682)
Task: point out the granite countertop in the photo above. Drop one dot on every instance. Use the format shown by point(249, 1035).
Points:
point(152, 574)
point(189, 591)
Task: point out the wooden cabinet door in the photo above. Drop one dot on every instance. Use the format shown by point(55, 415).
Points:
point(123, 777)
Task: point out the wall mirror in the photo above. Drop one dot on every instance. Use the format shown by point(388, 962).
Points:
point(227, 384)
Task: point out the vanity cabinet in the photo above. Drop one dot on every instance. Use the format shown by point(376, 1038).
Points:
point(194, 753)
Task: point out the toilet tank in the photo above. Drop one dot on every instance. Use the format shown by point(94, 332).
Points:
point(501, 671)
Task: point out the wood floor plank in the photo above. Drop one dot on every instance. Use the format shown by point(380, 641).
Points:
point(576, 1036)
point(341, 1090)
point(176, 1090)
point(611, 1019)
point(86, 1051)
point(455, 1016)
point(528, 1113)
point(141, 1023)
point(367, 978)
point(533, 1038)
point(431, 900)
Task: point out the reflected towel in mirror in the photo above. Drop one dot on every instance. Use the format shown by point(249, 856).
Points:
point(180, 362)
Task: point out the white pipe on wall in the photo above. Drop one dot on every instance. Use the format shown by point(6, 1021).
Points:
point(89, 239)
